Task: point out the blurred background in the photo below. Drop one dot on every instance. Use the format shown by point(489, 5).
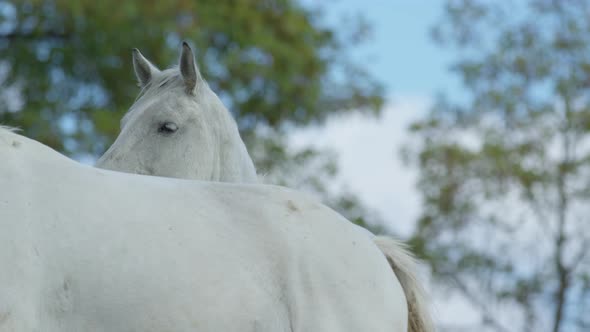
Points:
point(460, 126)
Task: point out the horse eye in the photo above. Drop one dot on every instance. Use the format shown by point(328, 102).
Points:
point(167, 128)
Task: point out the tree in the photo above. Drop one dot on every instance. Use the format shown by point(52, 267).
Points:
point(505, 168)
point(67, 77)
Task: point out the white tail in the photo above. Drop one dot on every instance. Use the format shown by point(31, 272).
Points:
point(404, 266)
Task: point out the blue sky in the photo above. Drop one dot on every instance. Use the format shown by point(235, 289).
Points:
point(400, 53)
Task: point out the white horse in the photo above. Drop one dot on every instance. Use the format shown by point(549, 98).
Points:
point(178, 127)
point(85, 249)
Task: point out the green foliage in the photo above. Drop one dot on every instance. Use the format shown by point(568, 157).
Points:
point(505, 171)
point(270, 60)
point(67, 76)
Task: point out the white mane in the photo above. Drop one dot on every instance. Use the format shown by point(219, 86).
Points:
point(10, 129)
point(164, 81)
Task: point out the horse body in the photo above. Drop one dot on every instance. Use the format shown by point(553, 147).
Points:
point(84, 249)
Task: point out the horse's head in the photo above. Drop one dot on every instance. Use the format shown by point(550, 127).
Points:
point(178, 127)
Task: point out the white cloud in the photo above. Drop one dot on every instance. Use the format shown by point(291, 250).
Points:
point(368, 158)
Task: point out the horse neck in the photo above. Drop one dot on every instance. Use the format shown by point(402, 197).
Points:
point(234, 162)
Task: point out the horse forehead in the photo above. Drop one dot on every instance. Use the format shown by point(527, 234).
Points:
point(165, 99)
point(161, 104)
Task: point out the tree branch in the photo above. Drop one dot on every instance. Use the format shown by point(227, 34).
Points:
point(563, 273)
point(488, 319)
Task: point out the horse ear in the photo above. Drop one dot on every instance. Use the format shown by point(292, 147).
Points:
point(144, 70)
point(188, 69)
